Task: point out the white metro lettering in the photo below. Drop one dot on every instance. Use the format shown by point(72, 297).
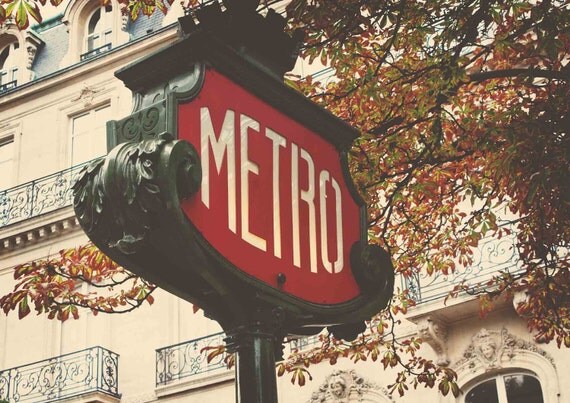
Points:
point(310, 197)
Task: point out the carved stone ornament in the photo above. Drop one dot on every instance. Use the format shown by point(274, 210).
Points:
point(32, 50)
point(32, 44)
point(86, 95)
point(493, 349)
point(434, 333)
point(347, 386)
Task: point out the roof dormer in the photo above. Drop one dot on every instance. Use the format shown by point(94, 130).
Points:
point(17, 53)
point(94, 28)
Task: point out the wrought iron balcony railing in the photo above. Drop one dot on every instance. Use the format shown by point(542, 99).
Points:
point(38, 197)
point(8, 86)
point(95, 52)
point(492, 256)
point(187, 359)
point(92, 370)
point(183, 360)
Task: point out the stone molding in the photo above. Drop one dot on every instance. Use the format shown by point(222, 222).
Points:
point(498, 351)
point(194, 382)
point(94, 397)
point(494, 349)
point(434, 332)
point(347, 386)
point(86, 95)
point(43, 230)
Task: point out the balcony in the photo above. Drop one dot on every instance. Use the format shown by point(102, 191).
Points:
point(8, 86)
point(184, 360)
point(186, 363)
point(95, 52)
point(491, 257)
point(39, 196)
point(94, 370)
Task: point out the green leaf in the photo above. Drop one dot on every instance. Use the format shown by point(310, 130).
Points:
point(10, 8)
point(23, 308)
point(22, 20)
point(33, 10)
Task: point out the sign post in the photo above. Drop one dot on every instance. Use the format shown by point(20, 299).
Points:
point(231, 190)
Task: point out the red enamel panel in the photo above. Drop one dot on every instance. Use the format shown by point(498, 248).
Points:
point(273, 195)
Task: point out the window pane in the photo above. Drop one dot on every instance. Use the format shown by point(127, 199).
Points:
point(81, 124)
point(523, 389)
point(8, 64)
point(81, 149)
point(94, 22)
point(4, 56)
point(89, 135)
point(485, 392)
point(99, 143)
point(6, 156)
point(99, 28)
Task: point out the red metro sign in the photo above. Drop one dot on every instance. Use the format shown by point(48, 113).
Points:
point(274, 199)
point(231, 190)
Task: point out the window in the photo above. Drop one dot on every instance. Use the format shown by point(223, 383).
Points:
point(88, 134)
point(507, 388)
point(6, 162)
point(99, 32)
point(94, 29)
point(8, 67)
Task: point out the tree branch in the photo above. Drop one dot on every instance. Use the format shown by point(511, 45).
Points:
point(530, 72)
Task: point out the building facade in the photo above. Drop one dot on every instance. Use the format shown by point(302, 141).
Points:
point(57, 90)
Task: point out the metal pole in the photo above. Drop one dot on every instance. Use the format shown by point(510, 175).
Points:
point(256, 381)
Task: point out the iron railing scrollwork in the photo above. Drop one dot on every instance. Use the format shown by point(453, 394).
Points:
point(188, 359)
point(91, 370)
point(302, 344)
point(39, 196)
point(492, 256)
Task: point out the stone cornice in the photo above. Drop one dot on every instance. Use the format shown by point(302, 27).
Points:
point(37, 230)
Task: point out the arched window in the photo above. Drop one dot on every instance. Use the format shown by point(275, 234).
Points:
point(8, 66)
point(99, 31)
point(506, 388)
point(93, 29)
point(499, 367)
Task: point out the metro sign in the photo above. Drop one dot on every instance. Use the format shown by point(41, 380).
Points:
point(231, 190)
point(274, 198)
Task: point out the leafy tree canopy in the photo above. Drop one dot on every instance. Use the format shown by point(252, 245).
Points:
point(463, 108)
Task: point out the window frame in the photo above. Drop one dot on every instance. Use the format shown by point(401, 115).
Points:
point(500, 384)
point(80, 113)
point(4, 141)
point(77, 16)
point(514, 354)
point(11, 70)
point(11, 132)
point(103, 35)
